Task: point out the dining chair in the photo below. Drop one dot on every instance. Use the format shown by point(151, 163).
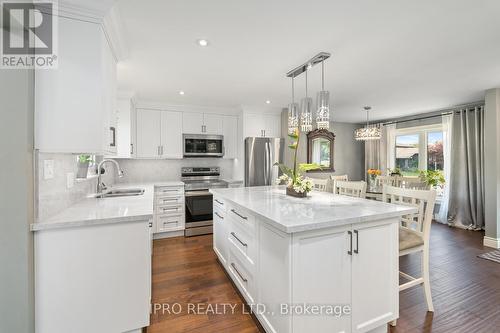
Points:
point(414, 233)
point(350, 188)
point(319, 184)
point(388, 180)
point(415, 183)
point(335, 178)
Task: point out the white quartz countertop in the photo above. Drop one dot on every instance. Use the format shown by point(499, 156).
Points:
point(319, 210)
point(94, 211)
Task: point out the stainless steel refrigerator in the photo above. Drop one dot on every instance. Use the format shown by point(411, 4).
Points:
point(260, 156)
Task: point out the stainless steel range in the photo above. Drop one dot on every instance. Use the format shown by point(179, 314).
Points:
point(199, 206)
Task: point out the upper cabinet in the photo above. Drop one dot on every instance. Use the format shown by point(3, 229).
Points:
point(202, 123)
point(230, 132)
point(75, 103)
point(159, 134)
point(126, 129)
point(262, 125)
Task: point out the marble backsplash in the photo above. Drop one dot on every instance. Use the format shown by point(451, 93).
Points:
point(53, 195)
point(143, 171)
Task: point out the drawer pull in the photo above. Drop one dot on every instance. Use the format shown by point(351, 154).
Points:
point(170, 200)
point(169, 190)
point(239, 240)
point(170, 209)
point(221, 217)
point(171, 222)
point(219, 202)
point(238, 272)
point(241, 216)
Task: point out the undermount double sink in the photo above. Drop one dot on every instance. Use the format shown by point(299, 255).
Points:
point(124, 192)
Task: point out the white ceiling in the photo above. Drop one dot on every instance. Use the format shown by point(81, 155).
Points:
point(400, 56)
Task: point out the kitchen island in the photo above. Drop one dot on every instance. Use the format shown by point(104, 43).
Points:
point(325, 263)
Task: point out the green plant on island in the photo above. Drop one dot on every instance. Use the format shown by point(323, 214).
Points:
point(294, 177)
point(84, 158)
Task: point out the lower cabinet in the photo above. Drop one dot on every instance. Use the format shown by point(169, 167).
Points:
point(169, 212)
point(352, 269)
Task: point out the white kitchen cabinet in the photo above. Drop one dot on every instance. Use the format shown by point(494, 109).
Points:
point(126, 129)
point(262, 125)
point(354, 265)
point(171, 134)
point(213, 123)
point(375, 277)
point(202, 123)
point(192, 123)
point(110, 113)
point(159, 134)
point(71, 102)
point(169, 213)
point(230, 132)
point(148, 133)
point(220, 234)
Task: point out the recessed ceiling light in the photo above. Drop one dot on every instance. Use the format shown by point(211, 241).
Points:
point(202, 42)
point(268, 102)
point(181, 92)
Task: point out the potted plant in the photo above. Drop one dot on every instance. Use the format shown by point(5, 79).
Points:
point(396, 172)
point(83, 166)
point(433, 178)
point(297, 185)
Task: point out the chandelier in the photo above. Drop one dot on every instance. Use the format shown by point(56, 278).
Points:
point(369, 132)
point(304, 118)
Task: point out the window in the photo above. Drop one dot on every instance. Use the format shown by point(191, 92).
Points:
point(435, 157)
point(407, 154)
point(419, 148)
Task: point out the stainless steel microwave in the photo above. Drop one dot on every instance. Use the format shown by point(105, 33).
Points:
point(203, 145)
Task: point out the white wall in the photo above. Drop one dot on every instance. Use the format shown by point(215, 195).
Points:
point(16, 201)
point(349, 154)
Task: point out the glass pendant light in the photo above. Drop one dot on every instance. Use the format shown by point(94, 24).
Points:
point(323, 103)
point(368, 132)
point(293, 112)
point(306, 112)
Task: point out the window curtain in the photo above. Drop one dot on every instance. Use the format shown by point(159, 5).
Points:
point(466, 202)
point(376, 152)
point(390, 144)
point(447, 121)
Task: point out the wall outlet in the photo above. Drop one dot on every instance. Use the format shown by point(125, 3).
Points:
point(48, 169)
point(70, 179)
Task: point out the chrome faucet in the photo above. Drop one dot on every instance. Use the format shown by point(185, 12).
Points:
point(100, 185)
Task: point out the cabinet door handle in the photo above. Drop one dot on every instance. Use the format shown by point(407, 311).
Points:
point(264, 133)
point(150, 224)
point(238, 272)
point(239, 240)
point(221, 217)
point(357, 241)
point(158, 149)
point(241, 216)
point(162, 150)
point(131, 149)
point(219, 202)
point(113, 137)
point(349, 252)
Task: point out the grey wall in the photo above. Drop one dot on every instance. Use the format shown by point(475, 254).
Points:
point(16, 201)
point(492, 163)
point(349, 154)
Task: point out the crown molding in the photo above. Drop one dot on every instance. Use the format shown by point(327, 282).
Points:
point(113, 27)
point(163, 106)
point(91, 11)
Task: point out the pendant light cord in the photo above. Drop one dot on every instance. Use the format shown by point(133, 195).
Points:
point(293, 90)
point(306, 84)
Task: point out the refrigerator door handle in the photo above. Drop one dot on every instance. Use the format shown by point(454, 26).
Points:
point(266, 164)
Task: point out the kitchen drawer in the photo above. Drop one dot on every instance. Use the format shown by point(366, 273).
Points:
point(169, 209)
point(241, 216)
point(220, 203)
point(170, 190)
point(169, 200)
point(243, 242)
point(170, 222)
point(242, 277)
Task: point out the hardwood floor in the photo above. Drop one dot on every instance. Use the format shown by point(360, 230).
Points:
point(466, 289)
